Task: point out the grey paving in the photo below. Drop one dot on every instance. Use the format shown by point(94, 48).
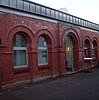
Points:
point(79, 86)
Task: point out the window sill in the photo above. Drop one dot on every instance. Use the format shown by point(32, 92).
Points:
point(21, 70)
point(88, 58)
point(42, 67)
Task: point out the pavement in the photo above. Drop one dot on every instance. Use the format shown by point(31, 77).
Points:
point(79, 86)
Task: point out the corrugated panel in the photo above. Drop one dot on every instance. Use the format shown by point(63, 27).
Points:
point(13, 3)
point(35, 8)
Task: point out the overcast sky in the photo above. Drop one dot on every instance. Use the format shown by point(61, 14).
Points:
point(87, 9)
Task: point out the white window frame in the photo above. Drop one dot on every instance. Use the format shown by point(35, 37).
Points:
point(21, 48)
point(85, 48)
point(84, 52)
point(93, 49)
point(43, 48)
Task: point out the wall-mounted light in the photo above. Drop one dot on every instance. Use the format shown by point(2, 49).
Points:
point(68, 49)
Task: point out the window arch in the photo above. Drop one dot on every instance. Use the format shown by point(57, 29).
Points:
point(42, 51)
point(86, 49)
point(20, 51)
point(94, 47)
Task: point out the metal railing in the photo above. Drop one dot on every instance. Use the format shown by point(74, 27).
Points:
point(41, 10)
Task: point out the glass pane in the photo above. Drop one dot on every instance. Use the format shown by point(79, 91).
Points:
point(86, 53)
point(42, 56)
point(42, 42)
point(93, 53)
point(94, 44)
point(19, 41)
point(69, 42)
point(94, 47)
point(20, 57)
point(86, 44)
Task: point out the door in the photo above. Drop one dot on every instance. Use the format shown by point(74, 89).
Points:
point(69, 54)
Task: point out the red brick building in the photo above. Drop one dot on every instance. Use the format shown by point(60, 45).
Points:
point(38, 42)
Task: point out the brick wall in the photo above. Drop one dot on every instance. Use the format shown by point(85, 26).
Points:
point(56, 33)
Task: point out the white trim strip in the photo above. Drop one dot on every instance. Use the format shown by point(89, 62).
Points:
point(26, 14)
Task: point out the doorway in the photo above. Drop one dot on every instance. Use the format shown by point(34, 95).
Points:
point(69, 46)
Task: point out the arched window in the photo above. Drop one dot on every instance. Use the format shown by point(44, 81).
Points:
point(20, 51)
point(42, 51)
point(94, 49)
point(86, 47)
